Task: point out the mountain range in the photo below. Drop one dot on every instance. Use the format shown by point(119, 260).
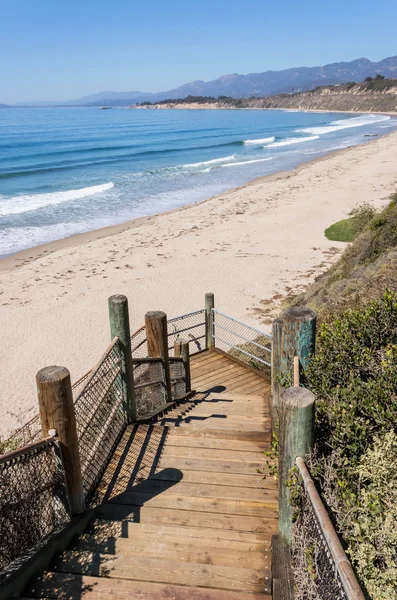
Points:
point(254, 84)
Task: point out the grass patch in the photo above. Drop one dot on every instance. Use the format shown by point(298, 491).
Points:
point(343, 231)
point(348, 229)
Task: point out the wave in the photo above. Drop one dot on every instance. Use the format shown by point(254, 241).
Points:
point(346, 124)
point(247, 162)
point(21, 204)
point(289, 141)
point(260, 141)
point(210, 162)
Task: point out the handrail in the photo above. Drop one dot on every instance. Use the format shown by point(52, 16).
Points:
point(349, 581)
point(219, 312)
point(27, 449)
point(97, 366)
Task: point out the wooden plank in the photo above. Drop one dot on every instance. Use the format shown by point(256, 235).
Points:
point(165, 571)
point(202, 551)
point(225, 371)
point(215, 443)
point(160, 489)
point(214, 505)
point(213, 454)
point(221, 434)
point(84, 587)
point(103, 530)
point(213, 466)
point(154, 515)
point(208, 382)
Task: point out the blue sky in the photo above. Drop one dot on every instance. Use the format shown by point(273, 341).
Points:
point(64, 49)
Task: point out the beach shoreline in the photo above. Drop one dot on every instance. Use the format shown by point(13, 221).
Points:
point(252, 246)
point(27, 255)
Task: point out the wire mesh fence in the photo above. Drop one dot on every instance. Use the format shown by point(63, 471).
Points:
point(100, 416)
point(244, 343)
point(31, 431)
point(178, 377)
point(149, 385)
point(139, 343)
point(192, 328)
point(316, 574)
point(33, 499)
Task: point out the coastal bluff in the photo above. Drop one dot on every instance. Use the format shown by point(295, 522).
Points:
point(349, 97)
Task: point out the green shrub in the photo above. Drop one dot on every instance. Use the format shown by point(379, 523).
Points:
point(354, 378)
point(348, 229)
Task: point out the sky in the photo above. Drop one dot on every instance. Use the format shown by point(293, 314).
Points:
point(66, 49)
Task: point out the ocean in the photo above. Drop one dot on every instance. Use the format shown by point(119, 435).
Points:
point(70, 170)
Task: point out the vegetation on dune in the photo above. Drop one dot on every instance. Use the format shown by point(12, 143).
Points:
point(348, 229)
point(354, 378)
point(367, 267)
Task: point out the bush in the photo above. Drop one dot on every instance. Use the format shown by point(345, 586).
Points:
point(354, 378)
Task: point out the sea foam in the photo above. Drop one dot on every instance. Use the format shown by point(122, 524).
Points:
point(260, 141)
point(210, 162)
point(22, 204)
point(346, 124)
point(290, 141)
point(247, 162)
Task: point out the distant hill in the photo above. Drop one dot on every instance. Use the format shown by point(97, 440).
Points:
point(256, 84)
point(375, 95)
point(268, 83)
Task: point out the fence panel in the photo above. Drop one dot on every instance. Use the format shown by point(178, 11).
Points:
point(139, 343)
point(190, 327)
point(178, 377)
point(322, 570)
point(246, 344)
point(33, 499)
point(149, 386)
point(100, 417)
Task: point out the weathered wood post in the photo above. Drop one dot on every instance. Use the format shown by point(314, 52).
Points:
point(157, 343)
point(296, 431)
point(54, 392)
point(294, 334)
point(209, 320)
point(181, 349)
point(120, 327)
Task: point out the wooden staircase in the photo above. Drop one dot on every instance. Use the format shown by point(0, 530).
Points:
point(182, 512)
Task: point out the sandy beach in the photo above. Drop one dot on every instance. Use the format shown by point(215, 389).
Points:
point(251, 246)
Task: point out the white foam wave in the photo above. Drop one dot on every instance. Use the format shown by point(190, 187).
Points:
point(21, 204)
point(261, 141)
point(346, 124)
point(210, 162)
point(290, 141)
point(247, 162)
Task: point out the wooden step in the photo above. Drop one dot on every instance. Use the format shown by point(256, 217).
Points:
point(159, 489)
point(104, 530)
point(79, 587)
point(254, 480)
point(166, 516)
point(212, 466)
point(213, 454)
point(221, 434)
point(224, 553)
point(125, 566)
point(213, 442)
point(261, 508)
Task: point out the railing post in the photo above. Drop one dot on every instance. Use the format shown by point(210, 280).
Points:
point(157, 343)
point(294, 334)
point(296, 431)
point(209, 320)
point(181, 349)
point(120, 327)
point(55, 396)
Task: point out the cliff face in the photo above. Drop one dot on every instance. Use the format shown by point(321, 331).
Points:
point(358, 97)
point(353, 98)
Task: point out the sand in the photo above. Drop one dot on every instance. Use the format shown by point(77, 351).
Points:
point(251, 246)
